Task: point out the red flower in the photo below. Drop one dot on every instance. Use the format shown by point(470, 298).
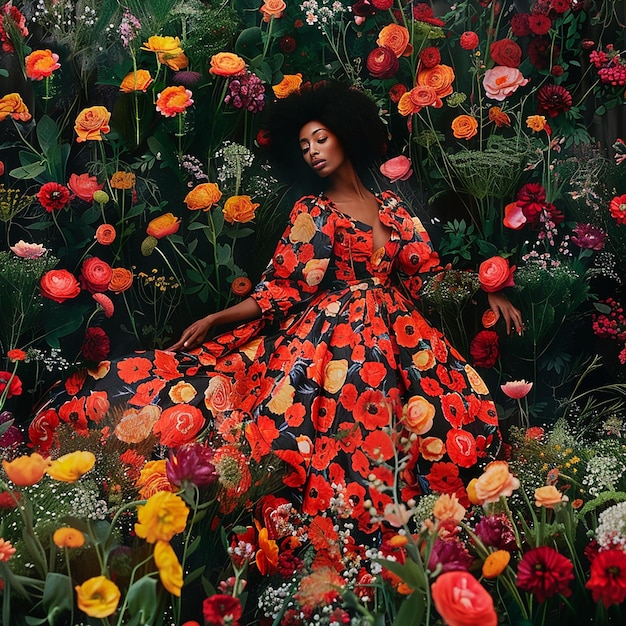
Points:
point(539, 24)
point(608, 577)
point(96, 345)
point(219, 610)
point(617, 209)
point(382, 62)
point(41, 431)
point(519, 25)
point(469, 40)
point(542, 53)
point(532, 199)
point(484, 349)
point(95, 275)
point(396, 92)
point(423, 12)
point(13, 382)
point(287, 44)
point(545, 573)
point(506, 52)
point(553, 99)
point(560, 6)
point(54, 197)
point(430, 56)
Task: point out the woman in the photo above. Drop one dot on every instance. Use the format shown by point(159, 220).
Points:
point(332, 367)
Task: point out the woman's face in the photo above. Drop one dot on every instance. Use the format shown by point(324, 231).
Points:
point(321, 148)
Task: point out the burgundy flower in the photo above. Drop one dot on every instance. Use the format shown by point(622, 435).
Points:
point(484, 349)
point(545, 573)
point(246, 91)
point(430, 56)
point(608, 577)
point(54, 197)
point(423, 12)
point(451, 554)
point(289, 563)
point(96, 346)
point(219, 610)
point(553, 99)
point(557, 70)
point(496, 531)
point(532, 199)
point(519, 25)
point(13, 435)
point(363, 8)
point(287, 44)
point(191, 463)
point(589, 237)
point(382, 62)
point(539, 24)
point(542, 53)
point(560, 6)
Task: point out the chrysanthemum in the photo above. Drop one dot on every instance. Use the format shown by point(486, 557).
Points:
point(54, 197)
point(553, 99)
point(544, 572)
point(608, 577)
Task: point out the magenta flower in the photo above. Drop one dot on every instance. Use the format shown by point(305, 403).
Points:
point(246, 91)
point(589, 237)
point(496, 531)
point(516, 389)
point(191, 463)
point(451, 554)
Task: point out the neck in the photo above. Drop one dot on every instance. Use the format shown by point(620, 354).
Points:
point(345, 183)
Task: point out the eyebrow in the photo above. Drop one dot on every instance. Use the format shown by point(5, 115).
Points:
point(317, 130)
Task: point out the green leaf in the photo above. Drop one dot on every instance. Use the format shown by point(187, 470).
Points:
point(224, 253)
point(47, 133)
point(193, 575)
point(249, 43)
point(410, 572)
point(142, 600)
point(28, 171)
point(58, 596)
point(411, 611)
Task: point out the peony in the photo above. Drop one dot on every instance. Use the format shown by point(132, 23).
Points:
point(84, 186)
point(203, 197)
point(40, 64)
point(397, 168)
point(91, 123)
point(495, 274)
point(26, 250)
point(226, 64)
point(59, 285)
point(95, 275)
point(502, 81)
point(173, 100)
point(239, 209)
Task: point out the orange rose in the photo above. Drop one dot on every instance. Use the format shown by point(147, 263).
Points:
point(25, 471)
point(95, 275)
point(226, 64)
point(121, 280)
point(549, 496)
point(439, 77)
point(40, 64)
point(163, 225)
point(136, 81)
point(12, 104)
point(203, 197)
point(272, 9)
point(395, 37)
point(173, 100)
point(179, 424)
point(105, 234)
point(495, 274)
point(494, 482)
point(164, 45)
point(59, 285)
point(289, 84)
point(175, 62)
point(91, 122)
point(464, 127)
point(418, 415)
point(239, 209)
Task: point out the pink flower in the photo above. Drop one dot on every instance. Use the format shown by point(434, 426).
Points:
point(105, 302)
point(6, 550)
point(192, 464)
point(514, 217)
point(398, 168)
point(501, 81)
point(84, 186)
point(28, 250)
point(516, 389)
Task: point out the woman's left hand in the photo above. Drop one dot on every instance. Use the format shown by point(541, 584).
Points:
point(501, 305)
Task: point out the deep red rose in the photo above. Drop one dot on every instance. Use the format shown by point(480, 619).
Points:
point(95, 275)
point(96, 345)
point(608, 577)
point(519, 25)
point(54, 197)
point(423, 12)
point(382, 62)
point(541, 52)
point(506, 52)
point(539, 24)
point(469, 40)
point(287, 44)
point(544, 572)
point(430, 56)
point(220, 609)
point(484, 349)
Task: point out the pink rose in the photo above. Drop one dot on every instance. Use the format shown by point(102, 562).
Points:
point(501, 81)
point(398, 168)
point(495, 274)
point(514, 217)
point(28, 250)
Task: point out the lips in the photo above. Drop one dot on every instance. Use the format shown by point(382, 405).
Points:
point(318, 164)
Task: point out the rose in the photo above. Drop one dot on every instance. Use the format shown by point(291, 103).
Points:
point(462, 601)
point(239, 209)
point(398, 168)
point(84, 186)
point(289, 84)
point(418, 415)
point(495, 274)
point(95, 275)
point(121, 280)
point(91, 122)
point(501, 81)
point(59, 285)
point(430, 56)
point(165, 45)
point(272, 9)
point(203, 196)
point(494, 482)
point(514, 217)
point(163, 225)
point(506, 52)
point(549, 496)
point(432, 448)
point(464, 127)
point(397, 38)
point(178, 424)
point(40, 64)
point(382, 62)
point(173, 100)
point(469, 40)
point(12, 104)
point(439, 78)
point(226, 64)
point(136, 81)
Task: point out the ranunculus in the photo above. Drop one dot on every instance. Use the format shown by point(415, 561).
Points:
point(70, 467)
point(516, 389)
point(496, 563)
point(164, 45)
point(53, 196)
point(496, 481)
point(272, 9)
point(173, 100)
point(95, 275)
point(179, 424)
point(397, 38)
point(176, 62)
point(136, 81)
point(239, 209)
point(464, 127)
point(161, 517)
point(396, 92)
point(67, 537)
point(105, 234)
point(98, 597)
point(382, 62)
point(397, 168)
point(495, 274)
point(462, 601)
point(26, 250)
point(416, 99)
point(40, 64)
point(289, 84)
point(25, 471)
point(544, 572)
point(123, 180)
point(502, 81)
point(226, 64)
point(170, 570)
point(499, 117)
point(439, 78)
point(448, 507)
point(484, 349)
point(163, 225)
point(59, 285)
point(96, 345)
point(514, 217)
point(506, 52)
point(13, 105)
point(430, 56)
point(91, 123)
point(84, 186)
point(549, 496)
point(121, 280)
point(608, 577)
point(469, 40)
point(203, 197)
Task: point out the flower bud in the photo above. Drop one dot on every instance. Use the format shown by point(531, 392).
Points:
point(101, 197)
point(148, 245)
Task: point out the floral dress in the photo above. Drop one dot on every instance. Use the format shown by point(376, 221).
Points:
point(341, 377)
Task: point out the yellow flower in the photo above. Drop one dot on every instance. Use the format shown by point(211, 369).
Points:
point(496, 563)
point(163, 516)
point(123, 180)
point(169, 46)
point(153, 479)
point(536, 122)
point(68, 538)
point(26, 470)
point(98, 597)
point(70, 467)
point(170, 570)
point(239, 209)
point(289, 84)
point(136, 81)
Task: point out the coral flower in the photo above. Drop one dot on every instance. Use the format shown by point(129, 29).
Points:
point(6, 550)
point(163, 516)
point(173, 100)
point(226, 64)
point(170, 570)
point(26, 470)
point(397, 168)
point(608, 577)
point(439, 77)
point(98, 597)
point(105, 234)
point(105, 302)
point(13, 105)
point(464, 127)
point(502, 81)
point(516, 389)
point(549, 496)
point(59, 285)
point(41, 64)
point(289, 84)
point(545, 573)
point(70, 467)
point(91, 123)
point(163, 225)
point(241, 286)
point(272, 9)
point(514, 217)
point(84, 186)
point(203, 197)
point(68, 538)
point(496, 481)
point(220, 609)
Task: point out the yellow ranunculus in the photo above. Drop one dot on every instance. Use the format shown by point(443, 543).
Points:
point(170, 570)
point(26, 470)
point(161, 517)
point(163, 45)
point(98, 597)
point(70, 467)
point(153, 478)
point(239, 209)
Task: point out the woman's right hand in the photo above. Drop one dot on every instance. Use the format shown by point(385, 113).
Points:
point(194, 335)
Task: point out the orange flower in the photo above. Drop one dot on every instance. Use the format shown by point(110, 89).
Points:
point(536, 122)
point(153, 478)
point(499, 117)
point(226, 64)
point(549, 496)
point(439, 77)
point(464, 127)
point(12, 104)
point(105, 234)
point(241, 286)
point(26, 470)
point(496, 563)
point(495, 481)
point(289, 84)
point(6, 550)
point(70, 467)
point(239, 209)
point(203, 196)
point(448, 507)
point(163, 225)
point(163, 45)
point(418, 415)
point(272, 9)
point(417, 98)
point(121, 280)
point(495, 274)
point(175, 62)
point(91, 122)
point(123, 180)
point(488, 319)
point(395, 37)
point(136, 81)
point(170, 570)
point(68, 538)
point(173, 100)
point(16, 355)
point(40, 64)
point(179, 424)
point(98, 597)
point(267, 555)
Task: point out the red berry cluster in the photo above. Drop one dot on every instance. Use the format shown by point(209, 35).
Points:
point(611, 325)
point(611, 67)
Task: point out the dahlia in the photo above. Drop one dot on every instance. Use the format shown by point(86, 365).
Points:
point(545, 573)
point(589, 237)
point(608, 577)
point(553, 99)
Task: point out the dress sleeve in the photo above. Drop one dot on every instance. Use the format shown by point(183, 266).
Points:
point(300, 261)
